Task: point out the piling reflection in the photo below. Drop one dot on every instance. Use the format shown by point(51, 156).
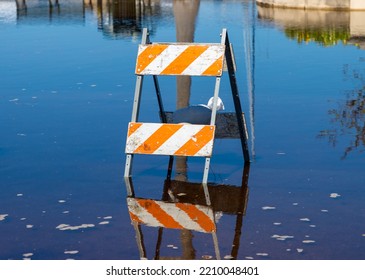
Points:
point(323, 27)
point(33, 11)
point(185, 13)
point(183, 208)
point(115, 18)
point(124, 18)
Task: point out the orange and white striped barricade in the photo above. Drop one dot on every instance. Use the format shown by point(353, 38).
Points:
point(170, 139)
point(170, 215)
point(177, 215)
point(176, 59)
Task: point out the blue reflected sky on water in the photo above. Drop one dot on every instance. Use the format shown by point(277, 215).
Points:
point(66, 90)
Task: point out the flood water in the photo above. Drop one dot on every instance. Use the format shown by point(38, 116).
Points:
point(66, 93)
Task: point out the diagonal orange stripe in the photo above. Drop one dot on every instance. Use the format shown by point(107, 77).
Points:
point(156, 211)
point(148, 55)
point(215, 69)
point(133, 127)
point(135, 218)
point(159, 137)
point(198, 141)
point(184, 60)
point(202, 219)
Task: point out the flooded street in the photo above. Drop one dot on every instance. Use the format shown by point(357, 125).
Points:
point(67, 83)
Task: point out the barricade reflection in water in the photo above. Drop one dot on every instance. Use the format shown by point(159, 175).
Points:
point(183, 207)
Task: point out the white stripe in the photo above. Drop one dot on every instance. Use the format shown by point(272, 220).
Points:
point(135, 208)
point(206, 210)
point(206, 150)
point(140, 136)
point(206, 59)
point(141, 49)
point(164, 59)
point(177, 140)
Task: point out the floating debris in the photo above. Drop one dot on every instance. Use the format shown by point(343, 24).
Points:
point(71, 252)
point(308, 241)
point(304, 219)
point(207, 257)
point(363, 234)
point(68, 227)
point(65, 212)
point(104, 223)
point(295, 203)
point(313, 226)
point(108, 217)
point(29, 226)
point(324, 210)
point(19, 194)
point(276, 224)
point(228, 257)
point(334, 195)
point(27, 255)
point(61, 201)
point(14, 100)
point(299, 250)
point(249, 258)
point(262, 254)
point(282, 237)
point(3, 216)
point(268, 208)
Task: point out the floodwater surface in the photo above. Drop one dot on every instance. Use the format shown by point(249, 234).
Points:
point(67, 85)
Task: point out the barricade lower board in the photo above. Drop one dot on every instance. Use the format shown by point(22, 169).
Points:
point(170, 139)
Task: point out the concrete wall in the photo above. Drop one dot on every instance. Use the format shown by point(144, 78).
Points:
point(316, 4)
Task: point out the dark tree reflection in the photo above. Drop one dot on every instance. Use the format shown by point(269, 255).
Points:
point(349, 116)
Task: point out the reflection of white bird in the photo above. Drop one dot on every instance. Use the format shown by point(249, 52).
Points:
point(197, 114)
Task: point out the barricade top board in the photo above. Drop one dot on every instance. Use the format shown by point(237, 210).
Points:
point(180, 59)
